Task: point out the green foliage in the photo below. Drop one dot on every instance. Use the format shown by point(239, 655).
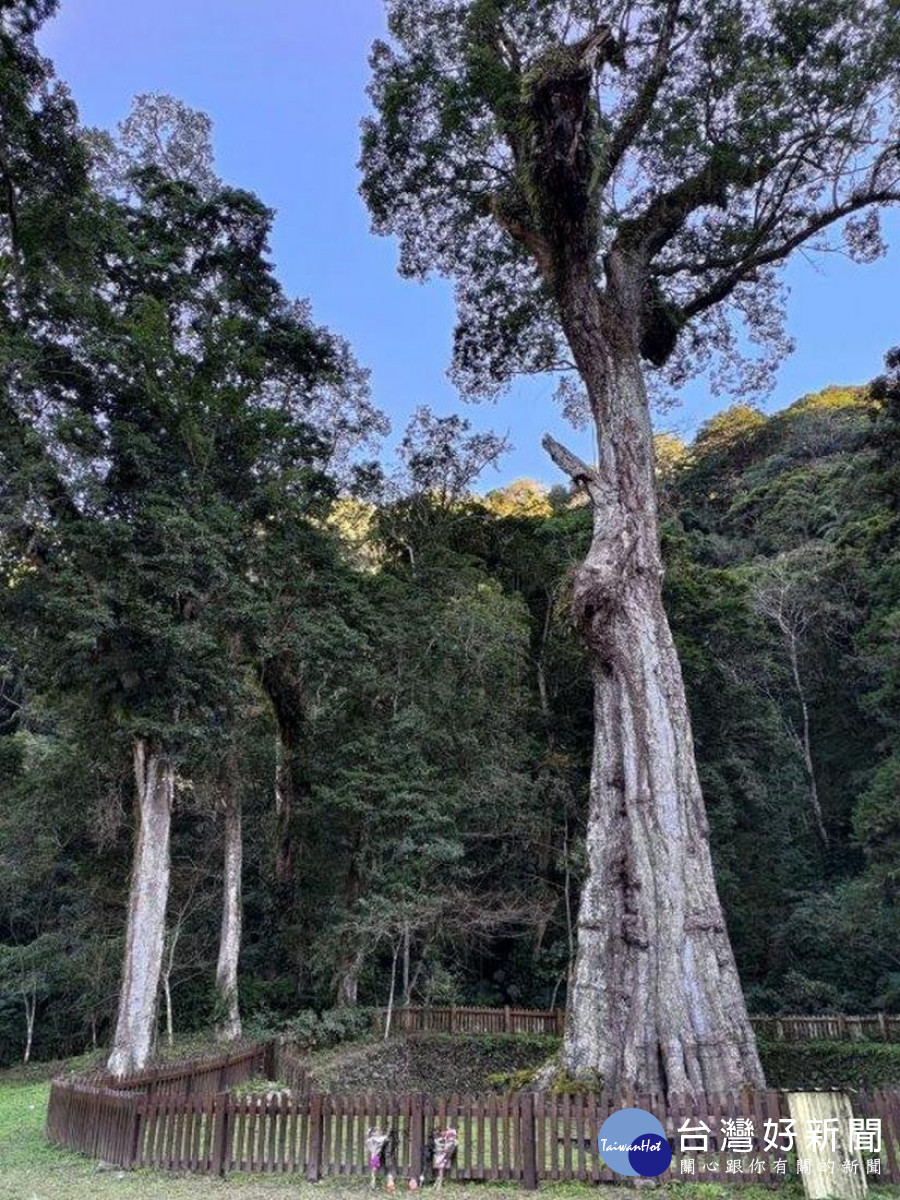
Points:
point(511, 1081)
point(182, 558)
point(799, 1065)
point(309, 1030)
point(563, 1084)
point(876, 817)
point(695, 168)
point(450, 692)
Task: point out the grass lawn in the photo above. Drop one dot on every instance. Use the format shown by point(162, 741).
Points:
point(30, 1169)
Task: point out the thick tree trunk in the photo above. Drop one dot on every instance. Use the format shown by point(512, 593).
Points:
point(347, 995)
point(145, 934)
point(292, 784)
point(229, 1023)
point(284, 813)
point(656, 1003)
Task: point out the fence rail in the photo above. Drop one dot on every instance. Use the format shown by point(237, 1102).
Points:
point(173, 1119)
point(471, 1020)
point(201, 1076)
point(522, 1138)
point(882, 1027)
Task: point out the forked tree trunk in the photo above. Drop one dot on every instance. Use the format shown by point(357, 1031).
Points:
point(146, 930)
point(656, 1003)
point(229, 1023)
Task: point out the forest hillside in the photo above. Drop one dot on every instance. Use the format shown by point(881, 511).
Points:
point(422, 702)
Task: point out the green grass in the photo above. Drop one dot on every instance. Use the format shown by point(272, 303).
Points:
point(31, 1169)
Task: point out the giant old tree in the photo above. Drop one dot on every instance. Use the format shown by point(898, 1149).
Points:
point(610, 185)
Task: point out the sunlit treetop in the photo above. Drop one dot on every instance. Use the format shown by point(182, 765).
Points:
point(717, 137)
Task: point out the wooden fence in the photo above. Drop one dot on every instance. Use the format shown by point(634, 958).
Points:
point(471, 1020)
point(194, 1077)
point(164, 1121)
point(882, 1027)
point(102, 1116)
point(878, 1027)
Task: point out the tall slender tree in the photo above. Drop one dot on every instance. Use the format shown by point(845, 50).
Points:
point(176, 434)
point(608, 185)
point(229, 1012)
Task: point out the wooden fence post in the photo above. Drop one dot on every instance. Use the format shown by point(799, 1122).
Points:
point(416, 1135)
point(219, 1158)
point(269, 1060)
point(507, 1019)
point(134, 1152)
point(529, 1145)
point(316, 1135)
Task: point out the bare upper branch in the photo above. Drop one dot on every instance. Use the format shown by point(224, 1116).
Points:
point(576, 468)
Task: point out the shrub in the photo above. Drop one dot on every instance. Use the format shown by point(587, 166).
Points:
point(310, 1030)
point(511, 1081)
point(802, 1065)
point(344, 1025)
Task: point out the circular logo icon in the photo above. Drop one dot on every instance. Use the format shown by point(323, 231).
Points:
point(633, 1142)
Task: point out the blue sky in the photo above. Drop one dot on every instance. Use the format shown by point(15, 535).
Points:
point(284, 82)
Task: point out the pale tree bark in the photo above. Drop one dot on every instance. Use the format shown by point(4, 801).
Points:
point(628, 253)
point(30, 999)
point(167, 997)
point(347, 995)
point(389, 1013)
point(170, 949)
point(781, 599)
point(656, 1003)
point(145, 933)
point(229, 1022)
point(806, 742)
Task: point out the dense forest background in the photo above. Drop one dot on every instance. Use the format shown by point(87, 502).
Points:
point(441, 758)
point(370, 668)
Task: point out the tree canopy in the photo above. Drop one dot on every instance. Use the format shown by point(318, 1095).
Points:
point(716, 137)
